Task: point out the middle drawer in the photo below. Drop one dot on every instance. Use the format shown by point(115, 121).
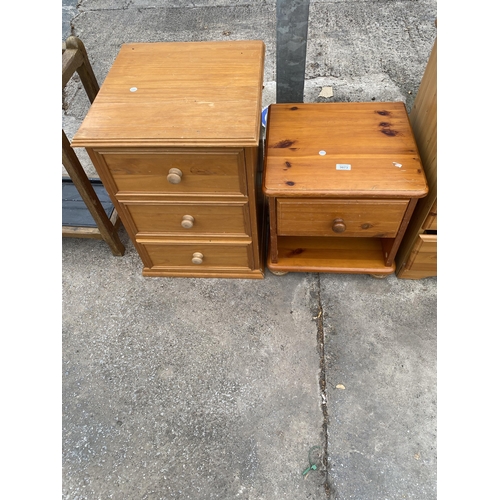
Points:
point(340, 217)
point(207, 219)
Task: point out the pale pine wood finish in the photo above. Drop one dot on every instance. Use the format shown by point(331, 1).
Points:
point(205, 171)
point(202, 93)
point(369, 136)
point(362, 218)
point(196, 112)
point(308, 195)
point(423, 118)
point(209, 219)
point(422, 261)
point(317, 254)
point(218, 257)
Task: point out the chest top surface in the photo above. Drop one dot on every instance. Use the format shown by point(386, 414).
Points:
point(342, 149)
point(178, 94)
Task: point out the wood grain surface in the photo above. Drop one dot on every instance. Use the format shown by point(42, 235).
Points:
point(362, 218)
point(309, 146)
point(341, 255)
point(183, 93)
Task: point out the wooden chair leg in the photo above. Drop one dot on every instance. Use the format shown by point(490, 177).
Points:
point(83, 185)
point(84, 69)
point(75, 59)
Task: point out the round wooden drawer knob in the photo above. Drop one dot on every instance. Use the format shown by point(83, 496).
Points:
point(197, 258)
point(187, 221)
point(338, 226)
point(174, 176)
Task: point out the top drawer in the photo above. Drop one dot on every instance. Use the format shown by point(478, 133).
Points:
point(177, 172)
point(352, 218)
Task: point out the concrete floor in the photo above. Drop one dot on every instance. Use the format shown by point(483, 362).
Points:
point(202, 389)
point(192, 388)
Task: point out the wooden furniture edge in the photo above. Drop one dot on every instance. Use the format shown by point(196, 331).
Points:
point(420, 128)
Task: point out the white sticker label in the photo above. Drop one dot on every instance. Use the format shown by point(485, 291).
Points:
point(343, 166)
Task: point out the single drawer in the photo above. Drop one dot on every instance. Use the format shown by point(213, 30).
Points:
point(422, 262)
point(340, 217)
point(200, 256)
point(203, 171)
point(189, 219)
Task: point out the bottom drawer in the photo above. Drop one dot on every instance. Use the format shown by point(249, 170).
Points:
point(198, 257)
point(422, 262)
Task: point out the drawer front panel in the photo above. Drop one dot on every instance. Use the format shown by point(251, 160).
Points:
point(189, 219)
point(426, 254)
point(423, 259)
point(210, 256)
point(178, 173)
point(348, 218)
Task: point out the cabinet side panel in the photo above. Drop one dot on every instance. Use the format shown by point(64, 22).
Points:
point(256, 204)
point(108, 182)
point(423, 119)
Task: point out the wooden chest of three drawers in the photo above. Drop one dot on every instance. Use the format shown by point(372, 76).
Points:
point(174, 134)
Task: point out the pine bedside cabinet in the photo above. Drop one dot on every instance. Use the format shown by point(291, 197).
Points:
point(174, 135)
point(341, 180)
